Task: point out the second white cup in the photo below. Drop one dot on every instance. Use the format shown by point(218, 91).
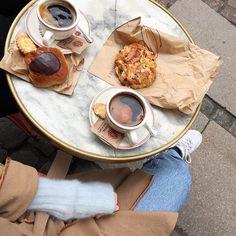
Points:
point(126, 111)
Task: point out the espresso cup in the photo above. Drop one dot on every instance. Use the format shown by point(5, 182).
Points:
point(58, 19)
point(126, 111)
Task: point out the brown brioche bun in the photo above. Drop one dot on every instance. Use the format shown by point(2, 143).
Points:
point(47, 67)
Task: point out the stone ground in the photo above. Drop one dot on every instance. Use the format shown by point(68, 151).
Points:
point(211, 209)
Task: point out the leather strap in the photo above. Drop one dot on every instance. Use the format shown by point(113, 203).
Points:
point(58, 169)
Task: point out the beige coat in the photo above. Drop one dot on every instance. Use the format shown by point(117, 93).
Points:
point(18, 185)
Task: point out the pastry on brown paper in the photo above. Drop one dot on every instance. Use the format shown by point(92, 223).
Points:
point(136, 66)
point(100, 110)
point(47, 66)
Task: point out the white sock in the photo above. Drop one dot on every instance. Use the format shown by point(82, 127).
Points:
point(67, 199)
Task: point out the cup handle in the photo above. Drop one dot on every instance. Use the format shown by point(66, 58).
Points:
point(48, 38)
point(151, 130)
point(132, 136)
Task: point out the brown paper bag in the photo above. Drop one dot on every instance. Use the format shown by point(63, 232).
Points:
point(13, 62)
point(184, 71)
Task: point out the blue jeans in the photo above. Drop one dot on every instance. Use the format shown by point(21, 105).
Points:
point(171, 186)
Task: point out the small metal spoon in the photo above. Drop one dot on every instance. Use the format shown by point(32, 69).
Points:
point(88, 38)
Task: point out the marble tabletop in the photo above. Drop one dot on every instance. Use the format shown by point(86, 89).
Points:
point(64, 119)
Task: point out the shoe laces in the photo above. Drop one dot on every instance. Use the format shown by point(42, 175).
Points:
point(187, 144)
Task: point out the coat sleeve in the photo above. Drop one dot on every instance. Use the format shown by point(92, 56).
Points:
point(18, 186)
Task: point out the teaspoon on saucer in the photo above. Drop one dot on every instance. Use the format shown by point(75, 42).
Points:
point(88, 38)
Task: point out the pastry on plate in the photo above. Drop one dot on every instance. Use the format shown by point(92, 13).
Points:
point(47, 66)
point(136, 66)
point(100, 110)
point(24, 43)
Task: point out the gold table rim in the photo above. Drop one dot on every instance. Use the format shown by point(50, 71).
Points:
point(76, 151)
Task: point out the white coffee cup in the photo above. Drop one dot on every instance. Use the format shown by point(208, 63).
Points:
point(52, 32)
point(129, 131)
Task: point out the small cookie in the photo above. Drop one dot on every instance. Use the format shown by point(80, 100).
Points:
point(100, 110)
point(24, 43)
point(135, 66)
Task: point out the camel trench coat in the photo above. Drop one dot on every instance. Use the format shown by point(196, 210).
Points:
point(18, 186)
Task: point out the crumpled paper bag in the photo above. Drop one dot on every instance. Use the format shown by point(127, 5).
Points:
point(13, 62)
point(184, 71)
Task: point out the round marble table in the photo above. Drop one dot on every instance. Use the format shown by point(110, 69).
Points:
point(64, 119)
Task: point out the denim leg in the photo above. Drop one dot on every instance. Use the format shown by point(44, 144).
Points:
point(171, 186)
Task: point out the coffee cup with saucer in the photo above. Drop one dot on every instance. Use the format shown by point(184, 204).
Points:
point(126, 112)
point(58, 20)
point(142, 132)
point(35, 32)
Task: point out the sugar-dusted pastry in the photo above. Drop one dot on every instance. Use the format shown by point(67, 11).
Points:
point(136, 66)
point(100, 110)
point(24, 43)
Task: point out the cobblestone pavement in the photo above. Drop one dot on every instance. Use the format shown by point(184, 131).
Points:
point(227, 8)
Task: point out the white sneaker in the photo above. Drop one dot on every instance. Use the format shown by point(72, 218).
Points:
point(188, 143)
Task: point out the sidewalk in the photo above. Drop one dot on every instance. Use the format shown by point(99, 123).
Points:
point(211, 209)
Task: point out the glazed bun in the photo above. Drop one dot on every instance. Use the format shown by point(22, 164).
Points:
point(47, 67)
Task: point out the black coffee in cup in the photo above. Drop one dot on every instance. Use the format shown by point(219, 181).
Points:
point(126, 110)
point(57, 14)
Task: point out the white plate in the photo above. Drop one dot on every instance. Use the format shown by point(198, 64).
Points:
point(33, 29)
point(142, 132)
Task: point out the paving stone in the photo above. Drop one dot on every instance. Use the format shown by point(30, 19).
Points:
point(3, 154)
point(208, 107)
point(214, 4)
point(166, 3)
point(213, 32)
point(178, 231)
point(219, 114)
point(233, 128)
point(26, 156)
point(229, 13)
point(11, 136)
point(211, 209)
point(42, 145)
point(200, 122)
point(223, 119)
point(232, 3)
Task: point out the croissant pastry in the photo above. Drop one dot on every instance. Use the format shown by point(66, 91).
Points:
point(47, 66)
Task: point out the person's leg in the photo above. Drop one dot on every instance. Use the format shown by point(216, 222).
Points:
point(172, 182)
point(171, 186)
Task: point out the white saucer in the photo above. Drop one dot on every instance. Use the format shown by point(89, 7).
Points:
point(33, 29)
point(142, 132)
